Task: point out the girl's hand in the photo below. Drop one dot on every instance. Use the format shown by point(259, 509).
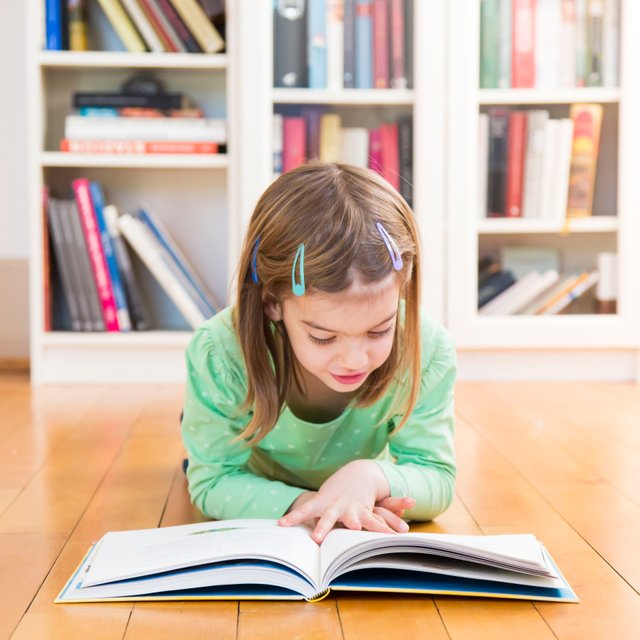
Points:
point(356, 495)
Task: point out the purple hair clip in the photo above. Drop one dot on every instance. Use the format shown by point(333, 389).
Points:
point(392, 247)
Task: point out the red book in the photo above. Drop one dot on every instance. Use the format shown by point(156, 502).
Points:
point(294, 147)
point(515, 162)
point(380, 44)
point(137, 147)
point(398, 64)
point(149, 10)
point(96, 253)
point(375, 150)
point(523, 39)
point(390, 154)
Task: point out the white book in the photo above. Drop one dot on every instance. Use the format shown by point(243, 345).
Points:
point(547, 46)
point(483, 163)
point(581, 286)
point(158, 262)
point(521, 259)
point(611, 43)
point(504, 44)
point(335, 45)
point(354, 146)
point(563, 283)
point(121, 128)
point(278, 141)
point(523, 298)
point(143, 25)
point(249, 559)
point(568, 43)
point(502, 303)
point(549, 167)
point(581, 42)
point(533, 165)
point(560, 179)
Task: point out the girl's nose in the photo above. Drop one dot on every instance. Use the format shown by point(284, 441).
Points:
point(354, 357)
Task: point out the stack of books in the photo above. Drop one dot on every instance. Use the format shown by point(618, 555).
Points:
point(343, 44)
point(533, 166)
point(549, 43)
point(140, 25)
point(318, 134)
point(91, 262)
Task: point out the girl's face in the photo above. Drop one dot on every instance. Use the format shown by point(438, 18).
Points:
point(340, 338)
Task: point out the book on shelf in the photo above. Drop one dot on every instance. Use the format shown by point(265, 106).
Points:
point(77, 22)
point(563, 284)
point(587, 123)
point(196, 20)
point(335, 45)
point(186, 37)
point(122, 25)
point(290, 41)
point(257, 559)
point(122, 99)
point(521, 259)
point(317, 15)
point(170, 39)
point(144, 26)
point(138, 147)
point(583, 283)
point(159, 262)
point(494, 284)
point(549, 43)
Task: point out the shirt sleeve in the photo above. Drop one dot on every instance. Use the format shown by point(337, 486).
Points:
point(220, 484)
point(424, 461)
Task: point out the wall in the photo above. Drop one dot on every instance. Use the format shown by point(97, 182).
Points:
point(14, 294)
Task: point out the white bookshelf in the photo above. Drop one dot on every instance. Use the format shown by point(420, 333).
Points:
point(568, 346)
point(195, 196)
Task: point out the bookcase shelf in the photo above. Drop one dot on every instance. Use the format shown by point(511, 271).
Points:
point(594, 224)
point(137, 339)
point(124, 59)
point(358, 97)
point(168, 161)
point(516, 97)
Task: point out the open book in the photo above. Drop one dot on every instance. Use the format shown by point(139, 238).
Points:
point(257, 559)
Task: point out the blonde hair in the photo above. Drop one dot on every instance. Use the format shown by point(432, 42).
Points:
point(333, 209)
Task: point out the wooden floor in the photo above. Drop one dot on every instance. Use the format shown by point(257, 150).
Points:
point(558, 460)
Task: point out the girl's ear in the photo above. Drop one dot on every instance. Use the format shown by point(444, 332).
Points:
point(272, 308)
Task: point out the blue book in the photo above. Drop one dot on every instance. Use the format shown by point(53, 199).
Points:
point(102, 112)
point(54, 25)
point(203, 297)
point(317, 43)
point(122, 310)
point(364, 44)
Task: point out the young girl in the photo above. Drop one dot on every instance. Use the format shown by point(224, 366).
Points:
point(325, 393)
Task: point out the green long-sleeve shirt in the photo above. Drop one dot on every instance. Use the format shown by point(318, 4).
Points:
point(231, 480)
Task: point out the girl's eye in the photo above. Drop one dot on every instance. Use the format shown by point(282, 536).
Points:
point(321, 340)
point(380, 334)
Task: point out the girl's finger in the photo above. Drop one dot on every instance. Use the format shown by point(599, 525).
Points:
point(374, 522)
point(324, 525)
point(302, 513)
point(397, 504)
point(396, 523)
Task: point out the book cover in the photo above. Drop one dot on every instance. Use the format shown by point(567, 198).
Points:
point(143, 25)
point(354, 146)
point(548, 44)
point(523, 71)
point(278, 141)
point(162, 26)
point(568, 44)
point(290, 67)
point(364, 44)
point(483, 163)
point(533, 163)
point(582, 54)
point(46, 260)
point(349, 45)
point(330, 134)
point(221, 560)
point(313, 117)
point(398, 70)
point(186, 37)
point(122, 25)
point(96, 253)
point(198, 23)
point(138, 147)
point(375, 149)
point(118, 100)
point(381, 34)
point(587, 121)
point(335, 44)
point(492, 285)
point(53, 25)
point(390, 153)
point(611, 44)
point(209, 305)
point(498, 146)
point(158, 261)
point(515, 163)
point(585, 282)
point(317, 43)
point(294, 143)
point(77, 19)
point(595, 19)
point(405, 151)
point(505, 44)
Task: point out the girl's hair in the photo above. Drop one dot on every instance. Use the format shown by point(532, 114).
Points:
point(333, 209)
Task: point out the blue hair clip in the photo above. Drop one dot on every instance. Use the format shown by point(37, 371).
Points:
point(298, 287)
point(254, 258)
point(392, 247)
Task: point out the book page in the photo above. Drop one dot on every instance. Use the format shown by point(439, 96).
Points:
point(127, 554)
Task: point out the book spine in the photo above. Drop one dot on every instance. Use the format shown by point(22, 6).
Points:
point(96, 253)
point(88, 281)
point(46, 261)
point(312, 117)
point(122, 25)
point(335, 44)
point(139, 320)
point(77, 18)
point(53, 25)
point(497, 181)
point(595, 17)
point(483, 163)
point(405, 144)
point(294, 144)
point(199, 25)
point(349, 46)
point(568, 44)
point(189, 42)
point(150, 253)
point(505, 44)
point(144, 27)
point(162, 26)
point(408, 40)
point(97, 198)
point(515, 163)
point(390, 154)
point(523, 44)
point(533, 165)
point(398, 67)
point(364, 44)
point(548, 40)
point(490, 27)
point(611, 43)
point(375, 150)
point(317, 43)
point(354, 146)
point(61, 253)
point(581, 43)
point(380, 44)
point(164, 101)
point(587, 120)
point(584, 283)
point(330, 137)
point(138, 147)
point(278, 149)
point(290, 44)
point(561, 191)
